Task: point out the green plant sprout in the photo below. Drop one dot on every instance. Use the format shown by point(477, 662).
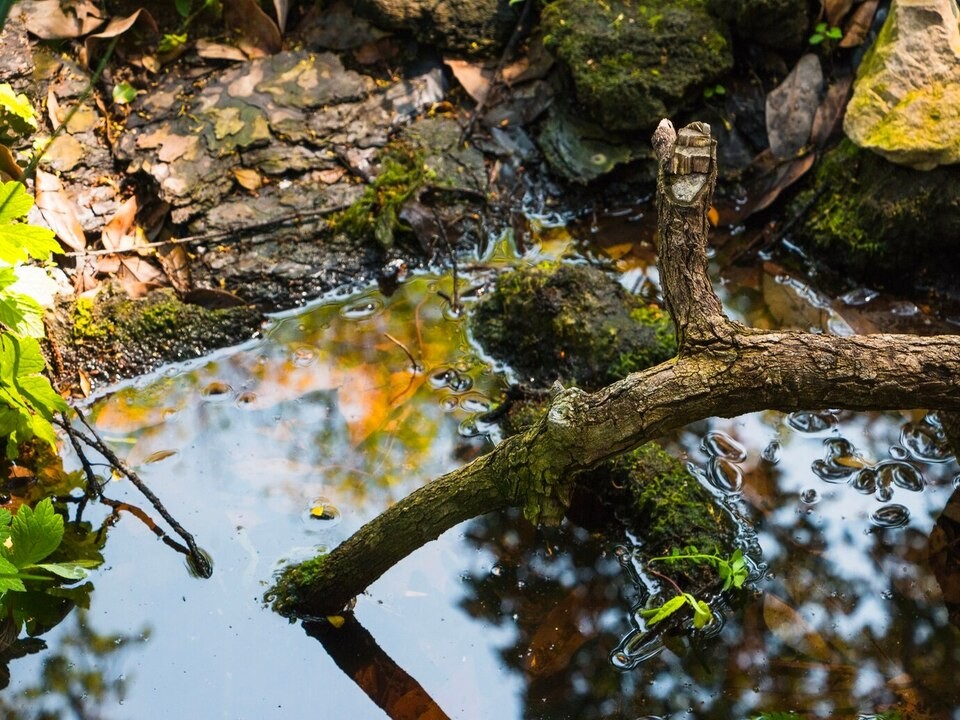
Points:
point(715, 91)
point(733, 571)
point(824, 32)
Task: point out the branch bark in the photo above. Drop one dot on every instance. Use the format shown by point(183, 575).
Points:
point(722, 368)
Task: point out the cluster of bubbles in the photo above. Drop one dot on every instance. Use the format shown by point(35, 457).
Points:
point(722, 469)
point(922, 441)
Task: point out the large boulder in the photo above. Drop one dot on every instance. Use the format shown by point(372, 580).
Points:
point(633, 64)
point(906, 98)
point(469, 26)
point(883, 223)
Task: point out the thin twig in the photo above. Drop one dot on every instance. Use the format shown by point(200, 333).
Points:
point(413, 360)
point(219, 234)
point(140, 514)
point(93, 484)
point(200, 562)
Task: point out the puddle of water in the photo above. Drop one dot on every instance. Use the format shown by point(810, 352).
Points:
point(273, 451)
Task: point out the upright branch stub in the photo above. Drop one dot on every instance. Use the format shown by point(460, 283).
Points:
point(685, 183)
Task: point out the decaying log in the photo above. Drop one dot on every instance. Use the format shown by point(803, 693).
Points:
point(722, 368)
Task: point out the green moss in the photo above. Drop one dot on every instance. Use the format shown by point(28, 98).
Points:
point(571, 322)
point(881, 222)
point(86, 325)
point(285, 597)
point(633, 64)
point(377, 211)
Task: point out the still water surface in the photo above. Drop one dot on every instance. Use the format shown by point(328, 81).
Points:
point(285, 446)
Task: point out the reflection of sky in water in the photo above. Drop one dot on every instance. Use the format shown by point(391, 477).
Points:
point(328, 410)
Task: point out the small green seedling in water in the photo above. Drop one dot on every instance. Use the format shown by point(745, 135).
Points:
point(823, 32)
point(733, 571)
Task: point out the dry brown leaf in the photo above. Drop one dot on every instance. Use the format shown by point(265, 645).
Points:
point(147, 27)
point(85, 386)
point(59, 211)
point(258, 35)
point(176, 265)
point(116, 233)
point(792, 630)
point(836, 10)
point(8, 164)
point(829, 117)
point(214, 299)
point(248, 179)
point(283, 8)
point(60, 19)
point(765, 188)
point(790, 107)
point(858, 24)
point(219, 51)
point(474, 77)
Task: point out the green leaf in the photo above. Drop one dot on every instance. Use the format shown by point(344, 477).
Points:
point(35, 532)
point(70, 571)
point(183, 7)
point(16, 112)
point(19, 242)
point(701, 612)
point(21, 314)
point(124, 93)
point(170, 42)
point(9, 577)
point(14, 201)
point(658, 614)
point(41, 394)
point(816, 39)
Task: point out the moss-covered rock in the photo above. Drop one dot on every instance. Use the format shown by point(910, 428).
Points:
point(571, 322)
point(883, 223)
point(111, 336)
point(779, 24)
point(634, 63)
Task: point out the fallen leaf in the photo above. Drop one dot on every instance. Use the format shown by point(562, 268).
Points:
point(8, 165)
point(474, 77)
point(213, 299)
point(116, 233)
point(792, 630)
point(158, 456)
point(85, 386)
point(829, 116)
point(282, 7)
point(258, 35)
point(59, 211)
point(858, 25)
point(133, 48)
point(765, 188)
point(176, 265)
point(836, 10)
point(248, 178)
point(60, 19)
point(219, 51)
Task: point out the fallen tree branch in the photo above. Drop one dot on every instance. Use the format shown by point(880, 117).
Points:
point(722, 368)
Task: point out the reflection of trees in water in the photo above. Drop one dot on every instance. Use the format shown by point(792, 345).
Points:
point(848, 642)
point(79, 678)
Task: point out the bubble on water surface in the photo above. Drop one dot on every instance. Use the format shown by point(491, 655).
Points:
point(724, 475)
point(475, 404)
point(772, 452)
point(828, 472)
point(866, 481)
point(718, 444)
point(246, 399)
point(216, 390)
point(807, 421)
point(810, 496)
point(926, 441)
point(891, 516)
point(903, 475)
point(859, 297)
point(450, 378)
point(361, 310)
point(304, 356)
point(898, 452)
point(904, 308)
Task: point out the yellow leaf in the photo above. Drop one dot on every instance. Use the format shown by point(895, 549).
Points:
point(336, 620)
point(792, 630)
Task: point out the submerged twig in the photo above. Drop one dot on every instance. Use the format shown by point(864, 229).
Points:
point(413, 360)
point(200, 562)
point(140, 514)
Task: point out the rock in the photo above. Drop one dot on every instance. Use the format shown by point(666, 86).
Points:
point(791, 107)
point(468, 26)
point(778, 24)
point(633, 64)
point(572, 322)
point(906, 98)
point(885, 224)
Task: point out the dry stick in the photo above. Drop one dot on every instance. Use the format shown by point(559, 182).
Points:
point(219, 234)
point(722, 368)
point(140, 514)
point(200, 562)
